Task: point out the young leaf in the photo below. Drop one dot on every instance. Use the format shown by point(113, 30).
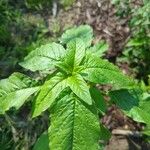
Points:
point(83, 32)
point(80, 88)
point(44, 57)
point(125, 99)
point(73, 126)
point(49, 92)
point(15, 90)
point(78, 47)
point(98, 49)
point(104, 133)
point(103, 72)
point(74, 56)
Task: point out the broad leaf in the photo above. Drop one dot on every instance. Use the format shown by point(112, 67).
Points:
point(104, 133)
point(73, 126)
point(103, 72)
point(98, 49)
point(125, 99)
point(98, 99)
point(80, 88)
point(83, 32)
point(49, 92)
point(42, 143)
point(15, 90)
point(140, 115)
point(132, 104)
point(44, 57)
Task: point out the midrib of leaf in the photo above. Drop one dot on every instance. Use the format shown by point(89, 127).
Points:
point(49, 92)
point(98, 68)
point(101, 67)
point(55, 85)
point(72, 133)
point(72, 145)
point(66, 116)
point(12, 99)
point(80, 87)
point(73, 61)
point(48, 57)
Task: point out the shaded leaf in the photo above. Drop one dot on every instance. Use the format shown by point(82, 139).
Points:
point(99, 100)
point(42, 143)
point(131, 102)
point(104, 133)
point(125, 99)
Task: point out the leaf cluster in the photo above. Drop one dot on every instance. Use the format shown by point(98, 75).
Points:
point(72, 68)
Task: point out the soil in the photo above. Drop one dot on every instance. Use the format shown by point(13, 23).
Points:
point(100, 14)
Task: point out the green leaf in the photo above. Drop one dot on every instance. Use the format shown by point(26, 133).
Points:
point(78, 47)
point(99, 100)
point(104, 133)
point(135, 42)
point(132, 104)
point(80, 88)
point(42, 143)
point(146, 131)
point(98, 49)
point(49, 92)
point(73, 126)
point(44, 58)
point(74, 56)
point(15, 90)
point(139, 115)
point(103, 72)
point(125, 99)
point(83, 32)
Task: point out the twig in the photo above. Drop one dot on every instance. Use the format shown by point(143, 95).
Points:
point(127, 133)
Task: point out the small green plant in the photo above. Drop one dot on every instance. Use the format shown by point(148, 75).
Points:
point(72, 69)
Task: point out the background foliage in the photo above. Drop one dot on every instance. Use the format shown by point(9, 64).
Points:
point(24, 27)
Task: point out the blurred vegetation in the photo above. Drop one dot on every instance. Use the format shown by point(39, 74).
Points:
point(137, 50)
point(23, 27)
